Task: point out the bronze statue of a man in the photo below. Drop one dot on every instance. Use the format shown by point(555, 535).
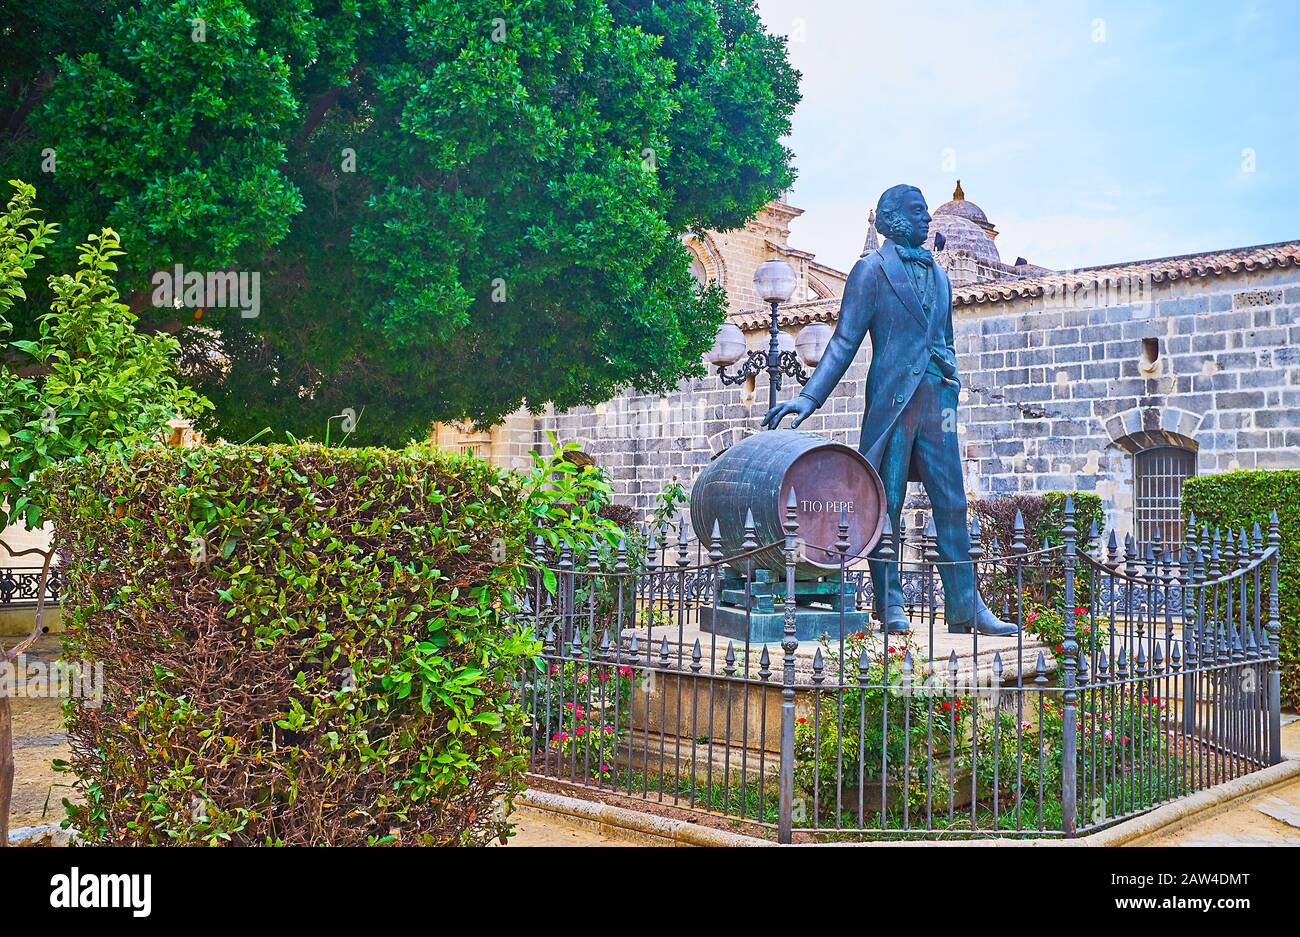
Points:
point(902, 298)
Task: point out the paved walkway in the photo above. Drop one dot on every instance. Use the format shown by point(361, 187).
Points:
point(39, 740)
point(1271, 818)
point(538, 828)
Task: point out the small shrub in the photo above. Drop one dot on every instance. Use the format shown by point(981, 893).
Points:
point(1044, 522)
point(845, 741)
point(581, 713)
point(1043, 515)
point(1047, 623)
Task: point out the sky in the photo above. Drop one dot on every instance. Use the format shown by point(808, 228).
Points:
point(1089, 132)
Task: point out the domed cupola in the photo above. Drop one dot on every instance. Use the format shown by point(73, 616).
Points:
point(965, 227)
point(968, 210)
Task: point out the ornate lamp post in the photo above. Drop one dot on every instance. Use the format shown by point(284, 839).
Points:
point(774, 282)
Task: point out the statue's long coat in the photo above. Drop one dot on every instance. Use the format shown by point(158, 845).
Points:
point(880, 299)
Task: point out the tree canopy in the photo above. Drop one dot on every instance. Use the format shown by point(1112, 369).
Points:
point(454, 208)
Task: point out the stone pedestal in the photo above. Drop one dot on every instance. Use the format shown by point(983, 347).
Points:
point(755, 609)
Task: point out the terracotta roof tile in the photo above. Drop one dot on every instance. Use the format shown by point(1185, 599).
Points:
point(1162, 270)
point(816, 310)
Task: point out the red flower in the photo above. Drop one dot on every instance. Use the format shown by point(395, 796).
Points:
point(801, 720)
point(1080, 610)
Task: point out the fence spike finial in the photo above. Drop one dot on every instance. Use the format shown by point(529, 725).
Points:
point(750, 541)
point(885, 548)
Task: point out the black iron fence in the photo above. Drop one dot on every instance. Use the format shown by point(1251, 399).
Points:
point(21, 586)
point(1133, 680)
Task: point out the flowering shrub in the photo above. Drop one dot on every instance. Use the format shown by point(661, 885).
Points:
point(848, 739)
point(1127, 757)
point(1048, 625)
point(581, 711)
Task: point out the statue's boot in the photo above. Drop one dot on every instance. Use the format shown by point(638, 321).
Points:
point(896, 620)
point(985, 622)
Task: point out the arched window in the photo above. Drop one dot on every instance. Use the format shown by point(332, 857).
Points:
point(698, 271)
point(1158, 476)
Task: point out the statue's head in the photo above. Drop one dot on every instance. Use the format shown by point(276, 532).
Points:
point(901, 215)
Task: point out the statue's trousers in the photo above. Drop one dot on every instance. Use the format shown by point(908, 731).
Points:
point(925, 438)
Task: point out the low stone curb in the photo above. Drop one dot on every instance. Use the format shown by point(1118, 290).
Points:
point(1197, 806)
point(618, 821)
point(49, 834)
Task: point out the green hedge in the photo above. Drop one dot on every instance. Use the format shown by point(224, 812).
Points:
point(1044, 519)
point(1043, 514)
point(1241, 499)
point(300, 645)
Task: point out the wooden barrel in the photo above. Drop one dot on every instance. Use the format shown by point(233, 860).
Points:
point(758, 474)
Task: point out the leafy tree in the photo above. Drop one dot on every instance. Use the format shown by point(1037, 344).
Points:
point(87, 380)
point(455, 208)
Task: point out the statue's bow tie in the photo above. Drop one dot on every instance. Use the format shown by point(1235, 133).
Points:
point(916, 254)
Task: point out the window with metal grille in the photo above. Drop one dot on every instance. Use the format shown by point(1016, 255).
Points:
point(1158, 476)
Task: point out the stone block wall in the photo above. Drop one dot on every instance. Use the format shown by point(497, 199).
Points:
point(1059, 390)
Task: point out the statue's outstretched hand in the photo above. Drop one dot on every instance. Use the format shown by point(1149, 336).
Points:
point(801, 407)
